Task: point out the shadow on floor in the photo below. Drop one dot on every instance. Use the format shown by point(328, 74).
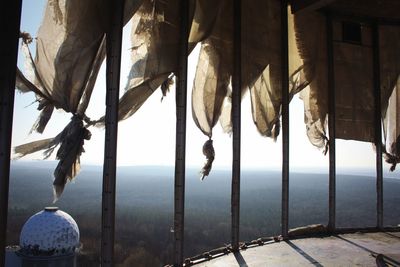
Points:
point(239, 259)
point(391, 235)
point(304, 254)
point(373, 253)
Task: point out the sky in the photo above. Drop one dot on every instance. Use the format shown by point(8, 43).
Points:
point(148, 137)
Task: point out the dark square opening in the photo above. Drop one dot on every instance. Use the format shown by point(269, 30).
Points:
point(351, 32)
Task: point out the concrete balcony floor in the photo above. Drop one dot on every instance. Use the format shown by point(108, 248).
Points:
point(357, 249)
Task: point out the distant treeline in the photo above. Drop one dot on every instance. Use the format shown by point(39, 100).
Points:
point(144, 212)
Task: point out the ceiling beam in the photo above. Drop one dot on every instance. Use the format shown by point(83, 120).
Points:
point(302, 5)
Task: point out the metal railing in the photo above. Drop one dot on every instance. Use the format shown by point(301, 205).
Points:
point(180, 144)
point(285, 118)
point(10, 15)
point(113, 67)
point(236, 122)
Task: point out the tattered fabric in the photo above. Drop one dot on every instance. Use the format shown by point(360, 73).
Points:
point(261, 69)
point(353, 79)
point(311, 42)
point(389, 42)
point(70, 49)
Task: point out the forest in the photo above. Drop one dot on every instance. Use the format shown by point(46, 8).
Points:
point(144, 209)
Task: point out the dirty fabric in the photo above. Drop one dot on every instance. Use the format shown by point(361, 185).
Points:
point(389, 41)
point(212, 78)
point(260, 67)
point(260, 44)
point(154, 52)
point(354, 104)
point(353, 80)
point(209, 153)
point(71, 141)
point(311, 42)
point(70, 48)
point(354, 86)
point(155, 45)
point(261, 63)
point(210, 84)
point(391, 148)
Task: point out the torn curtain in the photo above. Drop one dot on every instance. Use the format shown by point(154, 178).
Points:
point(261, 71)
point(353, 80)
point(70, 49)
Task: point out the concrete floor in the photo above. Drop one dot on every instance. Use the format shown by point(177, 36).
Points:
point(342, 250)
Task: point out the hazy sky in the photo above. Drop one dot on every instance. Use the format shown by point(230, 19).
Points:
point(148, 137)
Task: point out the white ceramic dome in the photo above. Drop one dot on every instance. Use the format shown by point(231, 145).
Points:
point(49, 232)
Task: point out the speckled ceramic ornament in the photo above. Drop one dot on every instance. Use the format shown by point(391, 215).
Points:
point(49, 232)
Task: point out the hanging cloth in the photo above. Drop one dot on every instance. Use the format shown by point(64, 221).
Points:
point(310, 33)
point(70, 48)
point(155, 40)
point(389, 41)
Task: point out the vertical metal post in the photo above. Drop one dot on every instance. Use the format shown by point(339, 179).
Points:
point(236, 121)
point(285, 119)
point(180, 144)
point(331, 124)
point(113, 67)
point(10, 21)
point(378, 126)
